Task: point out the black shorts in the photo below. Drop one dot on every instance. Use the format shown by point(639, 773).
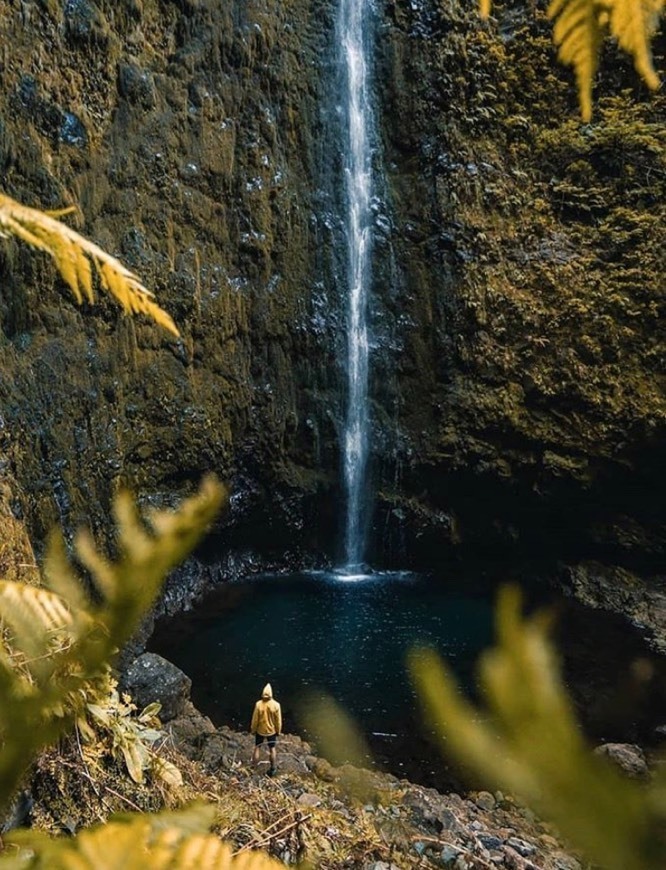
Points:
point(271, 739)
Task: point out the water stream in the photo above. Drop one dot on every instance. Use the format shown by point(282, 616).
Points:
point(353, 39)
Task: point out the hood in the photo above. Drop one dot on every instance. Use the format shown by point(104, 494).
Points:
point(267, 692)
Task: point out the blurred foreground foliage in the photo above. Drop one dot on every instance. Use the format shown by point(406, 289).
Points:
point(177, 840)
point(581, 26)
point(55, 647)
point(57, 640)
point(528, 742)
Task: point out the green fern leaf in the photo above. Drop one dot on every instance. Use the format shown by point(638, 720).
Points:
point(578, 35)
point(633, 23)
point(530, 745)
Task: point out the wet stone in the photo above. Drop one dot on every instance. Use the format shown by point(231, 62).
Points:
point(151, 678)
point(72, 131)
point(523, 848)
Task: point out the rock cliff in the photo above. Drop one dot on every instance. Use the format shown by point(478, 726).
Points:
point(518, 378)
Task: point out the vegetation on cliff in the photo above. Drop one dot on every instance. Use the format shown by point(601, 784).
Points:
point(580, 27)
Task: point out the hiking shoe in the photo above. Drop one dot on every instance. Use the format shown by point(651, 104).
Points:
point(272, 771)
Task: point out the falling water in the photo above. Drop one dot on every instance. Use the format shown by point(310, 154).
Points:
point(353, 39)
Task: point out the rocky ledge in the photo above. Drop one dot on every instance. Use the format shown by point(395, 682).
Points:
point(345, 816)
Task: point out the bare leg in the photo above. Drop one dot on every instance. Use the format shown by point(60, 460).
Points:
point(255, 756)
point(273, 755)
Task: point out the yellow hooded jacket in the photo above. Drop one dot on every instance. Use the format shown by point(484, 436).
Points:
point(267, 716)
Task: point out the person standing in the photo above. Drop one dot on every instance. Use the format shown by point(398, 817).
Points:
point(266, 725)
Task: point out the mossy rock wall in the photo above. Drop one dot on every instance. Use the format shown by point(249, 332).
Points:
point(518, 388)
point(186, 132)
point(529, 381)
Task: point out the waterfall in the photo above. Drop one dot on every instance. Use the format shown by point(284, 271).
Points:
point(354, 26)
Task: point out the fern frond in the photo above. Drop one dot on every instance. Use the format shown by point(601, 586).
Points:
point(33, 614)
point(633, 23)
point(578, 35)
point(73, 255)
point(163, 841)
point(60, 576)
point(528, 743)
point(35, 707)
point(580, 26)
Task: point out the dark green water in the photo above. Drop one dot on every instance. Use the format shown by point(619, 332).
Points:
point(314, 634)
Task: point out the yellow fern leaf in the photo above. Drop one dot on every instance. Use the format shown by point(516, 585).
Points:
point(528, 743)
point(166, 841)
point(100, 568)
point(60, 576)
point(73, 255)
point(62, 639)
point(33, 615)
point(578, 35)
point(633, 23)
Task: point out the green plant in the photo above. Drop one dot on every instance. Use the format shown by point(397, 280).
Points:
point(132, 736)
point(528, 742)
point(60, 638)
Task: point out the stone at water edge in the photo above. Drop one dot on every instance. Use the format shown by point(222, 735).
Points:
point(151, 678)
point(627, 756)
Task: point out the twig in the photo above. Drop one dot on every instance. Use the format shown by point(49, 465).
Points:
point(259, 843)
point(439, 842)
point(123, 798)
point(87, 770)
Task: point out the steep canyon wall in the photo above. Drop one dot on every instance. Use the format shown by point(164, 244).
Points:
point(518, 373)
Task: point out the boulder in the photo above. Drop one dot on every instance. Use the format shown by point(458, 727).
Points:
point(627, 756)
point(190, 731)
point(151, 678)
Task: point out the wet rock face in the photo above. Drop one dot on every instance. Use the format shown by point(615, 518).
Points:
point(517, 386)
point(186, 134)
point(528, 395)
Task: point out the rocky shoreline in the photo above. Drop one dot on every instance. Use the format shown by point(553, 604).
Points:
point(346, 816)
